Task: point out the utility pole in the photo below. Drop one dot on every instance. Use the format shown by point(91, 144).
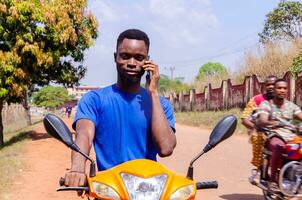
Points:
point(171, 71)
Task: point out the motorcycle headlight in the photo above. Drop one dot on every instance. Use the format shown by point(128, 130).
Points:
point(183, 193)
point(104, 191)
point(140, 188)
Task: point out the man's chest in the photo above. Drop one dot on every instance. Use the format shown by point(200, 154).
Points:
point(284, 112)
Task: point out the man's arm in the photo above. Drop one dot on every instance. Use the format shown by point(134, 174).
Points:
point(163, 134)
point(264, 120)
point(299, 116)
point(247, 123)
point(84, 137)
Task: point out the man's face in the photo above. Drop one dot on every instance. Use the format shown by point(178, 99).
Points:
point(269, 85)
point(281, 90)
point(130, 57)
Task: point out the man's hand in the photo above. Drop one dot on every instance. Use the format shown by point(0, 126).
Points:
point(275, 124)
point(75, 179)
point(151, 82)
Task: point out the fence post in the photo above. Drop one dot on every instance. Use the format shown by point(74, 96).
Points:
point(292, 88)
point(171, 99)
point(192, 100)
point(207, 96)
point(251, 87)
point(176, 103)
point(248, 89)
point(180, 100)
point(225, 94)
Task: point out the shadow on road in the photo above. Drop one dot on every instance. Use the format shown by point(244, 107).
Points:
point(242, 197)
point(25, 135)
point(17, 138)
point(38, 136)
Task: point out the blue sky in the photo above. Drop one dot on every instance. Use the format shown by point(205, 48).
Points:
point(184, 33)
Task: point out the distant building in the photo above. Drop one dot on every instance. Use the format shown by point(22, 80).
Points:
point(78, 91)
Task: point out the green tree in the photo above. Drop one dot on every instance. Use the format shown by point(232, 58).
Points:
point(211, 69)
point(41, 41)
point(168, 85)
point(51, 97)
point(296, 68)
point(284, 22)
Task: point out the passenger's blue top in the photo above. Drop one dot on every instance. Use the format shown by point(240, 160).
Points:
point(122, 124)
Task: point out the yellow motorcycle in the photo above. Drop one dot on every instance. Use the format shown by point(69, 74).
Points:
point(139, 179)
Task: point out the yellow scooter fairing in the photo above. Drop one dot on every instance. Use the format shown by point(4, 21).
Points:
point(114, 181)
point(139, 179)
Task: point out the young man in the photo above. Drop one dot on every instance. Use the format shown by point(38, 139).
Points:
point(124, 121)
point(275, 112)
point(68, 111)
point(248, 120)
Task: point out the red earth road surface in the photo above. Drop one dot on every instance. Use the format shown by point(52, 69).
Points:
point(229, 163)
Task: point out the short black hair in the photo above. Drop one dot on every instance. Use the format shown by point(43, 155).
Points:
point(272, 77)
point(134, 34)
point(280, 80)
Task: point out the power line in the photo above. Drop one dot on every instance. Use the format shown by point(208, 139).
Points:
point(234, 51)
point(198, 59)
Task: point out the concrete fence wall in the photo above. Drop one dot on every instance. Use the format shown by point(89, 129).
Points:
point(14, 117)
point(231, 96)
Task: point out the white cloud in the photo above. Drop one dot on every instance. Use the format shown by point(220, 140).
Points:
point(104, 10)
point(187, 21)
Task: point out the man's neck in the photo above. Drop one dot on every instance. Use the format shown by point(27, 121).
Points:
point(278, 101)
point(128, 88)
point(268, 96)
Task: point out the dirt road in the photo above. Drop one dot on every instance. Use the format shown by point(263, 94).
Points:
point(46, 160)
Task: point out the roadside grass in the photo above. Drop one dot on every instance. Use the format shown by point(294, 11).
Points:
point(208, 119)
point(11, 156)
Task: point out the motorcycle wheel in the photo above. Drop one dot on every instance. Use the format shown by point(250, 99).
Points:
point(270, 196)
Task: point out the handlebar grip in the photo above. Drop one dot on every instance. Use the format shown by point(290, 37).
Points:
point(206, 185)
point(62, 181)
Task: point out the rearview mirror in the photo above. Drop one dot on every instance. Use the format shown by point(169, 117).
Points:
point(223, 130)
point(58, 129)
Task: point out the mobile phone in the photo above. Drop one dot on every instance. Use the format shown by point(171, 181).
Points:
point(148, 72)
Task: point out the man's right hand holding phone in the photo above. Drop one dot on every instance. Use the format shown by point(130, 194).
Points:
point(151, 82)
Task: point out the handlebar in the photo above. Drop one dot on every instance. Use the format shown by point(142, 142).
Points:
point(206, 185)
point(73, 189)
point(63, 188)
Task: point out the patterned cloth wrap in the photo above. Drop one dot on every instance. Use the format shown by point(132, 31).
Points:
point(258, 140)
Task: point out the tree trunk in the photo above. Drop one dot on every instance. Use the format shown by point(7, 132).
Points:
point(1, 126)
point(27, 109)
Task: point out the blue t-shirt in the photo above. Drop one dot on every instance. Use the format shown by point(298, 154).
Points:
point(122, 124)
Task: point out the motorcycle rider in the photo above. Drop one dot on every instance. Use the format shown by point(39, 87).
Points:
point(124, 121)
point(277, 113)
point(248, 119)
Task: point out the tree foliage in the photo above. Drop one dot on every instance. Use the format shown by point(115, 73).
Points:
point(284, 22)
point(296, 68)
point(168, 85)
point(211, 69)
point(42, 41)
point(51, 96)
